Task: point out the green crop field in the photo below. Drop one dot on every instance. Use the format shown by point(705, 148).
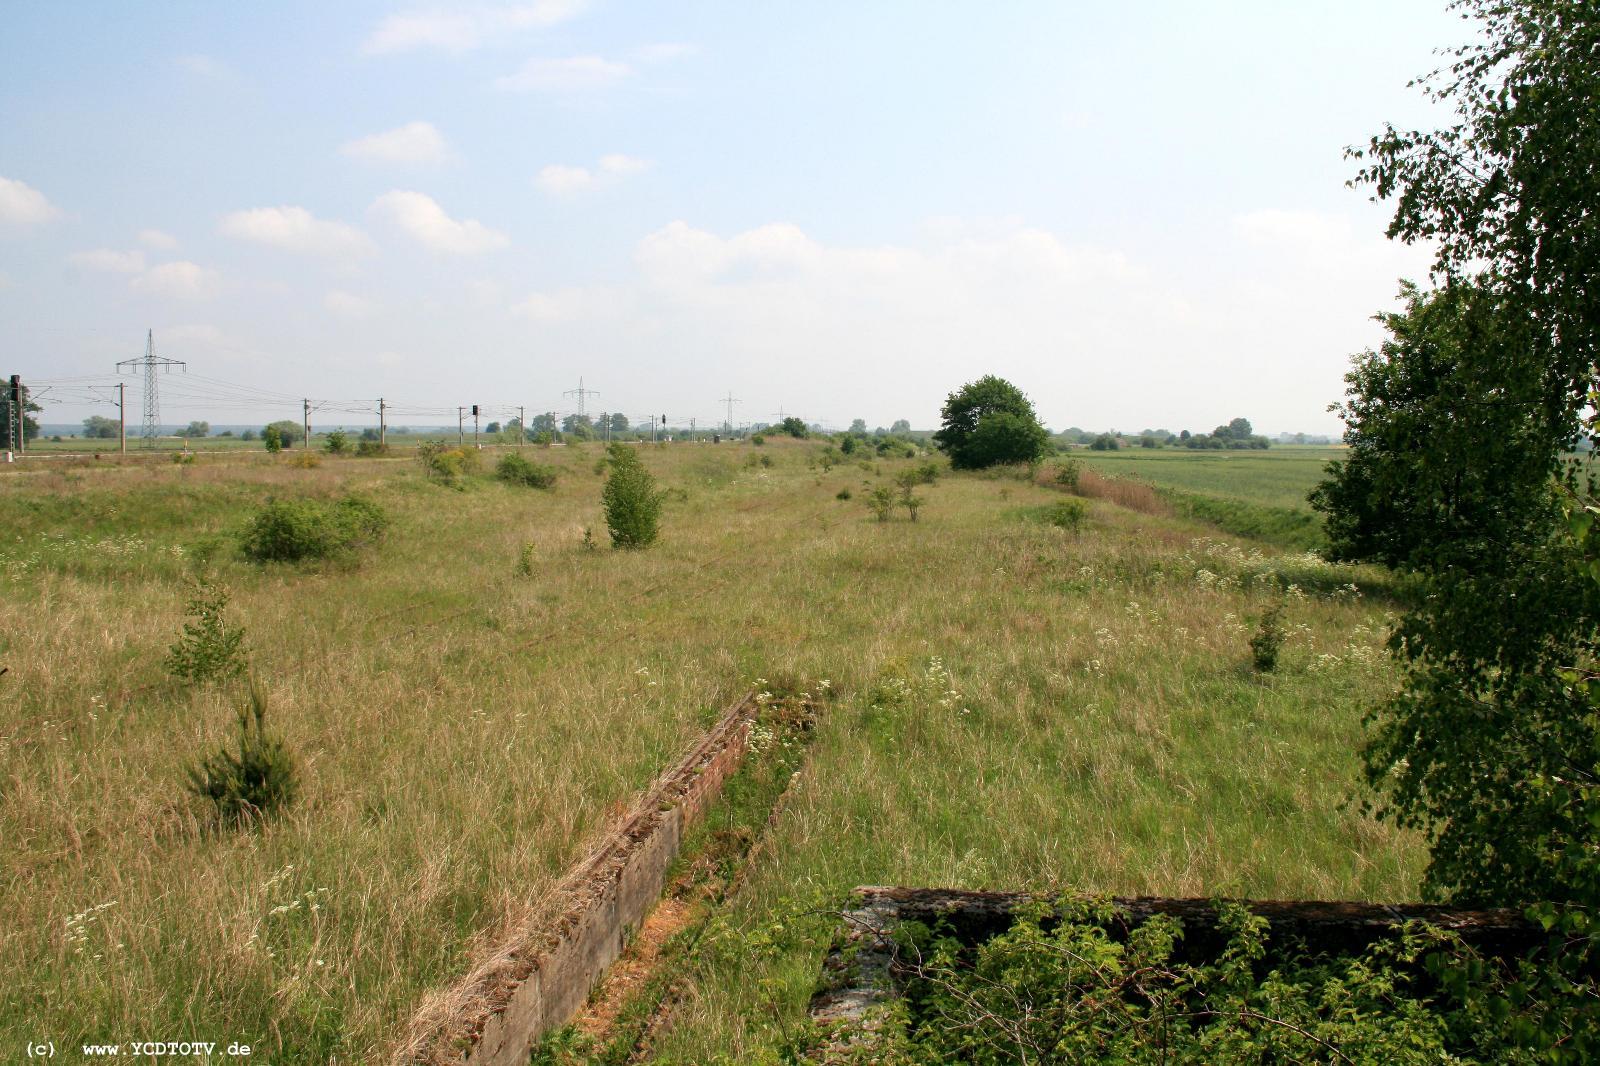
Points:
point(1277, 477)
point(470, 700)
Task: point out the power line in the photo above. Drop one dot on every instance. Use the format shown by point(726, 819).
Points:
point(150, 363)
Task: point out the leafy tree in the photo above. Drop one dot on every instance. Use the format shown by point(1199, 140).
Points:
point(30, 426)
point(337, 442)
point(1240, 429)
point(98, 427)
point(272, 438)
point(1105, 442)
point(631, 501)
point(289, 431)
point(1458, 427)
point(492, 427)
point(990, 421)
point(619, 422)
point(196, 429)
point(900, 426)
point(795, 427)
point(859, 425)
point(543, 424)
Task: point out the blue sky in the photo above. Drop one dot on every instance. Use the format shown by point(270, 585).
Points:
point(839, 210)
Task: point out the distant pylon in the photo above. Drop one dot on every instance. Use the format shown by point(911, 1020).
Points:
point(730, 401)
point(580, 392)
point(149, 362)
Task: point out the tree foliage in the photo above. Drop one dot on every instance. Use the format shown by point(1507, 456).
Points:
point(1458, 428)
point(988, 422)
point(632, 503)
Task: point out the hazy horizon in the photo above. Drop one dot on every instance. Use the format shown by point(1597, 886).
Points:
point(1139, 217)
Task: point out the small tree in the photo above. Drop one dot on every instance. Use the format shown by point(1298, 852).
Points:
point(210, 649)
point(632, 504)
point(337, 442)
point(272, 437)
point(256, 781)
point(795, 427)
point(988, 422)
point(881, 500)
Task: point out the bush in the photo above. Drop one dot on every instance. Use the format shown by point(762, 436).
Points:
point(255, 782)
point(337, 442)
point(449, 465)
point(881, 500)
point(632, 504)
point(209, 649)
point(758, 440)
point(1067, 473)
point(513, 469)
point(843, 494)
point(1067, 514)
point(1268, 640)
point(526, 558)
point(291, 530)
point(989, 422)
point(367, 448)
point(273, 439)
point(304, 460)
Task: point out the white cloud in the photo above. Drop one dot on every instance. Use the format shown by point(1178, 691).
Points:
point(154, 238)
point(193, 333)
point(559, 180)
point(205, 66)
point(1300, 229)
point(347, 304)
point(565, 75)
point(466, 29)
point(109, 261)
point(664, 51)
point(415, 142)
point(182, 280)
point(294, 229)
point(425, 221)
point(23, 205)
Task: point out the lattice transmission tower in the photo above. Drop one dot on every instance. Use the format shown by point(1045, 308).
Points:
point(150, 362)
point(581, 393)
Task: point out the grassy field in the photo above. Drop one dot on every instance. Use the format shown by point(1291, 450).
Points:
point(1011, 705)
point(1277, 477)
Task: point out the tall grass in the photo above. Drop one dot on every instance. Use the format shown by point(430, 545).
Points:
point(461, 731)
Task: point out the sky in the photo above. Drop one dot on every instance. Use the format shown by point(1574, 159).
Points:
point(1139, 214)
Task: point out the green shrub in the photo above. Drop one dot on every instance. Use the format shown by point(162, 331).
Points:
point(272, 437)
point(1067, 514)
point(758, 440)
point(513, 469)
point(881, 501)
point(183, 458)
point(370, 449)
point(525, 559)
point(448, 465)
point(1268, 640)
point(256, 781)
point(1067, 474)
point(337, 442)
point(210, 649)
point(632, 504)
point(290, 530)
point(843, 494)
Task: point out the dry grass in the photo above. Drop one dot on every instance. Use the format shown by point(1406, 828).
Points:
point(464, 730)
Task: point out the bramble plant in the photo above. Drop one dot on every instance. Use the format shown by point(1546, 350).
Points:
point(632, 504)
point(209, 649)
point(252, 783)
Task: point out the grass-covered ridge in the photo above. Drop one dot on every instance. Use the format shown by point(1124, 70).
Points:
point(1018, 705)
